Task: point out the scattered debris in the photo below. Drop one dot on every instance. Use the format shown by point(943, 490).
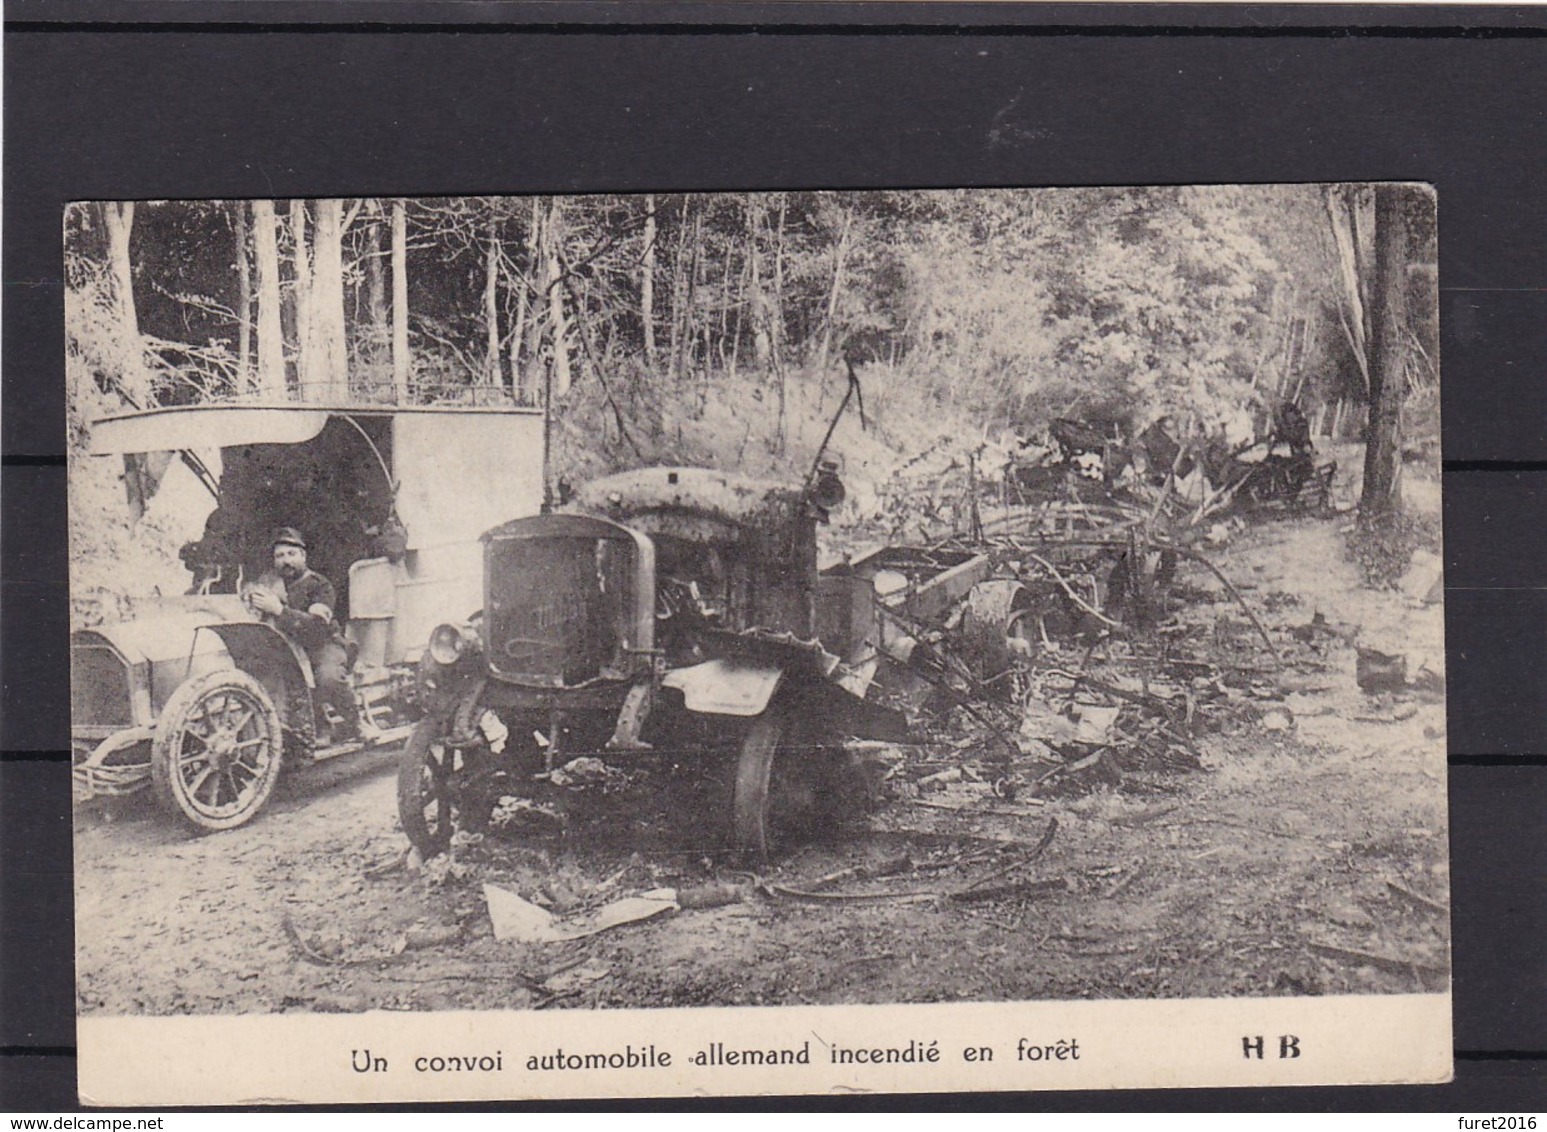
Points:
point(1399, 713)
point(1383, 962)
point(575, 976)
point(1380, 672)
point(1418, 898)
point(520, 921)
point(329, 953)
point(431, 935)
point(771, 889)
point(891, 866)
point(391, 865)
point(940, 778)
point(1346, 912)
point(585, 771)
point(1031, 855)
point(442, 869)
point(709, 896)
point(1278, 720)
point(1423, 580)
point(1015, 888)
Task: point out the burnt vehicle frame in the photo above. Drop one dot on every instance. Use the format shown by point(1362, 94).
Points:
point(665, 607)
point(205, 704)
point(1278, 471)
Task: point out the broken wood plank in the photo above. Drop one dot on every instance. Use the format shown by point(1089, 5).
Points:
point(788, 893)
point(1384, 962)
point(1031, 855)
point(1418, 898)
point(1014, 888)
point(890, 867)
point(1020, 809)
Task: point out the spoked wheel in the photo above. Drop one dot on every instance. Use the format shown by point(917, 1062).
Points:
point(434, 798)
point(785, 787)
point(218, 750)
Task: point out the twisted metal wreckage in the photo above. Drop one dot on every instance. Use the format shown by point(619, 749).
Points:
point(1049, 625)
point(682, 608)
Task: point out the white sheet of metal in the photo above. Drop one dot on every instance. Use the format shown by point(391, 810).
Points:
point(726, 687)
point(462, 473)
point(203, 426)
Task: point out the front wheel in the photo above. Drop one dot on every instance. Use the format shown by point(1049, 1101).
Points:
point(217, 751)
point(434, 796)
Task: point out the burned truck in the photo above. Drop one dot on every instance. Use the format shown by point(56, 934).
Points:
point(661, 609)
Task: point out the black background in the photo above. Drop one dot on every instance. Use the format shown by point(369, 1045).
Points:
point(373, 99)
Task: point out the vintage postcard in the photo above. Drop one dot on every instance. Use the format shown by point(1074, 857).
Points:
point(723, 644)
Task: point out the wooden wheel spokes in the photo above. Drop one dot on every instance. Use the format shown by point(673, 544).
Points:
point(225, 750)
point(432, 786)
point(218, 749)
point(225, 712)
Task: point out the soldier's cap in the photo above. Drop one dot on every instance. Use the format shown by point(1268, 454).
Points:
point(288, 536)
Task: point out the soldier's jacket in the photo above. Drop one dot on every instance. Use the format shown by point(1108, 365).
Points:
point(306, 629)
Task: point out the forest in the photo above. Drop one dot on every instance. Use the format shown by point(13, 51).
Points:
point(1169, 746)
point(712, 328)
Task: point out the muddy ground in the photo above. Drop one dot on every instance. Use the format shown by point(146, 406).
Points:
point(1307, 856)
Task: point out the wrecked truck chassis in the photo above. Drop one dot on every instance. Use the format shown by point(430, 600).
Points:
point(678, 613)
point(672, 611)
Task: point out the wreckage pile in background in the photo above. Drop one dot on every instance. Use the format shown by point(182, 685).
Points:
point(1059, 664)
point(1059, 638)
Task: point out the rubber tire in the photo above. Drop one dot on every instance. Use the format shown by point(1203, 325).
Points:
point(171, 789)
point(754, 773)
point(779, 797)
point(419, 758)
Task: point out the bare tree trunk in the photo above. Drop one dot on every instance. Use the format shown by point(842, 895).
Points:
point(776, 318)
point(757, 306)
point(1342, 211)
point(558, 327)
point(402, 364)
point(746, 293)
point(726, 302)
point(120, 226)
point(679, 278)
point(525, 391)
point(271, 338)
point(690, 313)
point(647, 283)
point(133, 377)
point(840, 258)
point(378, 335)
point(305, 353)
point(327, 292)
point(491, 303)
point(243, 301)
point(1388, 380)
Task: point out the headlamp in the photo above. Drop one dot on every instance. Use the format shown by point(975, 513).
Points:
point(447, 644)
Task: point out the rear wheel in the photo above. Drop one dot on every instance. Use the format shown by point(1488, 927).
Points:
point(218, 750)
point(435, 794)
point(787, 786)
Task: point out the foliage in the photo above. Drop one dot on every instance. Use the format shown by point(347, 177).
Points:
point(711, 327)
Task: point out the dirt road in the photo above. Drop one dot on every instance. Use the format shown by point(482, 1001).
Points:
point(1307, 857)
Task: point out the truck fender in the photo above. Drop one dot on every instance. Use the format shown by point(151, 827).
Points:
point(726, 687)
point(273, 660)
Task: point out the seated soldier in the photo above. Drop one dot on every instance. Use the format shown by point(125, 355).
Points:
point(305, 615)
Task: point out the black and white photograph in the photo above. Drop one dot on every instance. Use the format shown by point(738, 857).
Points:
point(567, 608)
